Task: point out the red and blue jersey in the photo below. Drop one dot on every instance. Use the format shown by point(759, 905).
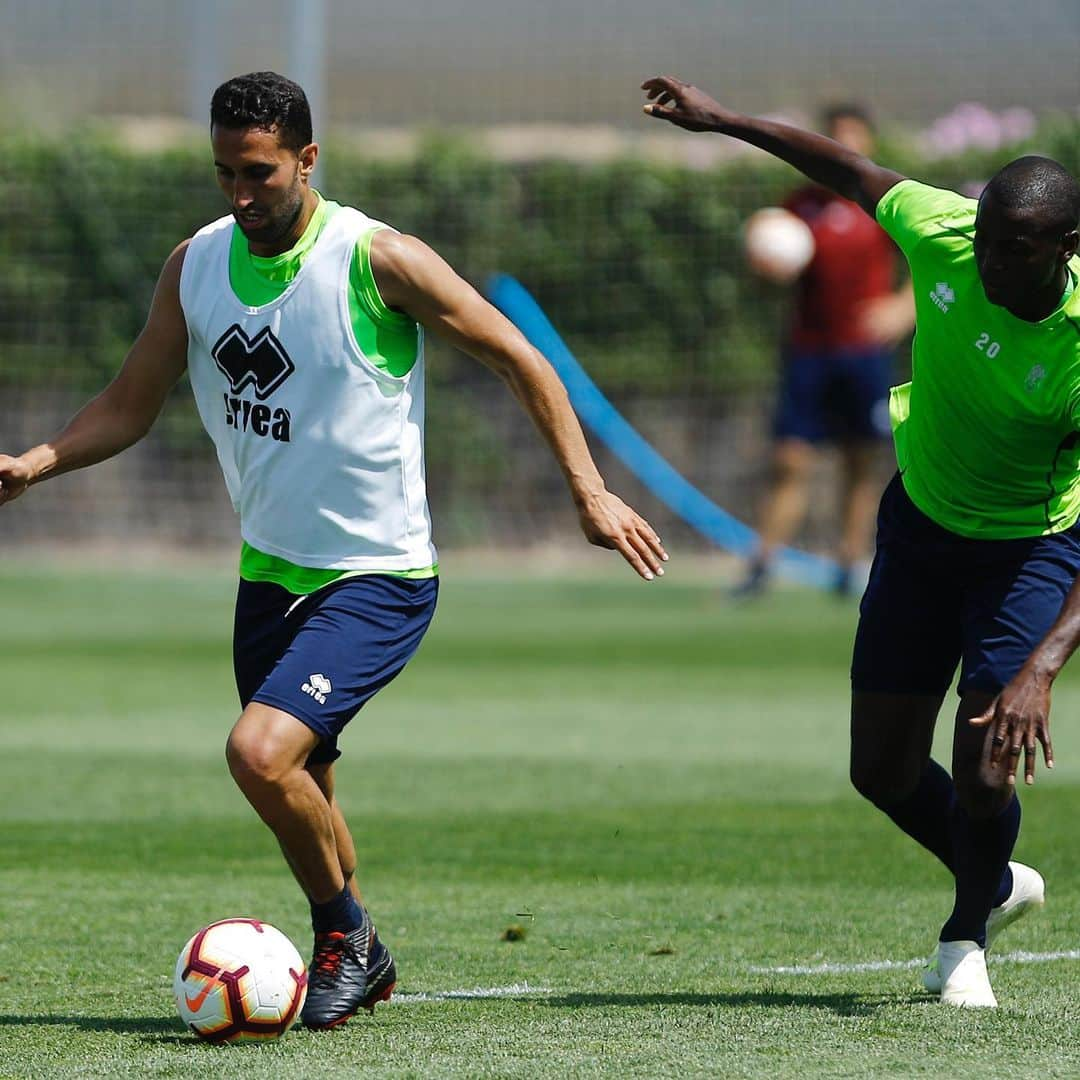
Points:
point(854, 261)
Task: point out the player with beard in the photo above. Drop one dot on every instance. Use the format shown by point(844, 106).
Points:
point(978, 545)
point(300, 323)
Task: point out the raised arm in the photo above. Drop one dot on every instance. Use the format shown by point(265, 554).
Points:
point(821, 159)
point(125, 410)
point(414, 279)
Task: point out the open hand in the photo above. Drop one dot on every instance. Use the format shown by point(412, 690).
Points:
point(609, 523)
point(682, 104)
point(15, 477)
point(1018, 718)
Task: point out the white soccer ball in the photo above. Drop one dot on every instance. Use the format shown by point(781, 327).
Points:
point(778, 244)
point(239, 980)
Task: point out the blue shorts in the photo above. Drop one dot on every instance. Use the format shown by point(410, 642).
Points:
point(834, 396)
point(936, 599)
point(321, 657)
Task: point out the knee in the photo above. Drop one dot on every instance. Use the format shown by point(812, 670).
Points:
point(252, 762)
point(788, 468)
point(882, 784)
point(980, 794)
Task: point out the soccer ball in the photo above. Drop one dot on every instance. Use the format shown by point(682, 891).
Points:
point(778, 244)
point(238, 980)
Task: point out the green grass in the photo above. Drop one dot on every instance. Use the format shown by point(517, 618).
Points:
point(649, 779)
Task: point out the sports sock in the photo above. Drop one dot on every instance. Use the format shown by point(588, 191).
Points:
point(981, 850)
point(341, 913)
point(925, 814)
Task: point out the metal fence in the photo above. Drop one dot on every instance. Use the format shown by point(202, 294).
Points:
point(526, 83)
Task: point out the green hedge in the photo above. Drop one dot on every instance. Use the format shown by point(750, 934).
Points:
point(638, 263)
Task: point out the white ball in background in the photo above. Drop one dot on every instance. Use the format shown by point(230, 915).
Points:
point(779, 245)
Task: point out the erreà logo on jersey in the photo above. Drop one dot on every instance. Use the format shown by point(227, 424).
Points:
point(942, 296)
point(262, 364)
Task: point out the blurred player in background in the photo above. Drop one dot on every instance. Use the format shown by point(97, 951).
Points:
point(300, 324)
point(837, 360)
point(978, 545)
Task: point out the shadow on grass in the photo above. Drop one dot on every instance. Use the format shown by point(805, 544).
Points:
point(840, 1004)
point(123, 1025)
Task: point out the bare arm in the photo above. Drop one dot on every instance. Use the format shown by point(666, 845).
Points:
point(125, 410)
point(416, 280)
point(821, 159)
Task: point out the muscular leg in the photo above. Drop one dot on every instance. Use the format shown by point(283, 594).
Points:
point(985, 824)
point(323, 774)
point(860, 499)
point(266, 752)
point(891, 736)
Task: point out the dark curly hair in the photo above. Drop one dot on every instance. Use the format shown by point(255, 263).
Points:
point(267, 101)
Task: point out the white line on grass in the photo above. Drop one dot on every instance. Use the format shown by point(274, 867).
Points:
point(477, 993)
point(480, 993)
point(830, 968)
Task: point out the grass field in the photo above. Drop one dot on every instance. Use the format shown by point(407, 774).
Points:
point(650, 780)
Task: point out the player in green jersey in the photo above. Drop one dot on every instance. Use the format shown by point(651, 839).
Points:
point(978, 546)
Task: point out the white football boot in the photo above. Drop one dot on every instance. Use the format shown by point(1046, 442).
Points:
point(1028, 891)
point(964, 980)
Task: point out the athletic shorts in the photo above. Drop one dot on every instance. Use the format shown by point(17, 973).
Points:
point(936, 599)
point(321, 657)
point(827, 396)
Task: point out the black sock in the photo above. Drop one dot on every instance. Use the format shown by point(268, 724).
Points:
point(342, 913)
point(981, 850)
point(925, 814)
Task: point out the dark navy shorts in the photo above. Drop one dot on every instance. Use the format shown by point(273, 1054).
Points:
point(827, 396)
point(936, 599)
point(321, 657)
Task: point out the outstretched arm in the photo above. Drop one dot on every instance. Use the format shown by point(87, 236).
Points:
point(821, 159)
point(414, 279)
point(124, 411)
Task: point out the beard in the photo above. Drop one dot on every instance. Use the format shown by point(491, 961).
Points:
point(277, 223)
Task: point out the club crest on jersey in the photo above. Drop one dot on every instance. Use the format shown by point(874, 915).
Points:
point(1034, 378)
point(260, 362)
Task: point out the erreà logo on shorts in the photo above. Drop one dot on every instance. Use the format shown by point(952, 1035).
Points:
point(258, 363)
point(943, 296)
point(317, 686)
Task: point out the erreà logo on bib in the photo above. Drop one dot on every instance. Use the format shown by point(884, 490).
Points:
point(261, 364)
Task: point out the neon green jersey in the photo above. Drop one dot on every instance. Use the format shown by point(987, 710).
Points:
point(987, 430)
point(388, 338)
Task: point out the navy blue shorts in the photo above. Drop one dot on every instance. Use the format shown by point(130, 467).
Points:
point(936, 599)
point(827, 396)
point(321, 657)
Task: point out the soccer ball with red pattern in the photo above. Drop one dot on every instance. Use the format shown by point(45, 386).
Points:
point(239, 980)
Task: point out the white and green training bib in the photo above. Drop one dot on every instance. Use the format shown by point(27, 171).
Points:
point(320, 446)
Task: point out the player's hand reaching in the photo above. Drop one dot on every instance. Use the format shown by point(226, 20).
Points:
point(682, 104)
point(609, 523)
point(15, 477)
point(1017, 719)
